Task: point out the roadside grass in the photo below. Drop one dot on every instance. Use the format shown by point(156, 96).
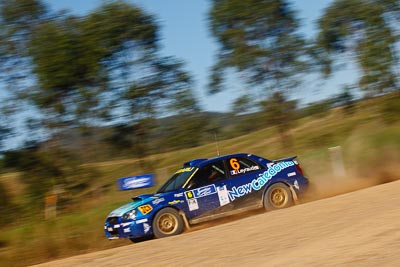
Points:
point(370, 146)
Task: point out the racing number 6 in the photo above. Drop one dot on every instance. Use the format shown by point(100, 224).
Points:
point(234, 164)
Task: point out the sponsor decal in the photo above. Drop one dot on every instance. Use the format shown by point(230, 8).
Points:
point(141, 221)
point(201, 192)
point(116, 226)
point(290, 174)
point(258, 183)
point(158, 201)
point(146, 228)
point(243, 171)
point(189, 195)
point(178, 195)
point(133, 182)
point(127, 230)
point(175, 202)
point(110, 229)
point(204, 191)
point(145, 209)
point(192, 203)
point(296, 185)
point(223, 195)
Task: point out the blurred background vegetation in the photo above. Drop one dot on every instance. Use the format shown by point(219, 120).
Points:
point(103, 103)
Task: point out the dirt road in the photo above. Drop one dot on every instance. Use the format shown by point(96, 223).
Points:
point(361, 228)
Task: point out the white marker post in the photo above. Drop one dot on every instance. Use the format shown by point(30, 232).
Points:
point(337, 161)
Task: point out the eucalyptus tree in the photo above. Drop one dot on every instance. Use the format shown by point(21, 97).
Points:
point(103, 68)
point(367, 30)
point(259, 39)
point(81, 72)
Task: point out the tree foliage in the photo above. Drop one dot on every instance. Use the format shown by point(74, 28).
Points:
point(83, 61)
point(43, 171)
point(5, 131)
point(242, 105)
point(5, 205)
point(18, 18)
point(279, 111)
point(367, 29)
point(259, 39)
point(85, 72)
point(102, 68)
point(94, 68)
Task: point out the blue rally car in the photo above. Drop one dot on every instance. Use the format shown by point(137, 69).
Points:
point(206, 189)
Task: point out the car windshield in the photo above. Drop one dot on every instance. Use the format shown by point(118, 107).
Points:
point(177, 180)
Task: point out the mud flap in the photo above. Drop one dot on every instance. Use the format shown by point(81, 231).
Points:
point(185, 220)
point(294, 195)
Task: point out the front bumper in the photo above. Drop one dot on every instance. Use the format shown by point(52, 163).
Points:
point(115, 228)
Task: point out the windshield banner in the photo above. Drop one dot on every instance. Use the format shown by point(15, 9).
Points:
point(134, 182)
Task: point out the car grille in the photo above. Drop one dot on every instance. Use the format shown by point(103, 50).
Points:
point(111, 221)
point(114, 232)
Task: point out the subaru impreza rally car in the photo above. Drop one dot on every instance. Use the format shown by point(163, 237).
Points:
point(206, 189)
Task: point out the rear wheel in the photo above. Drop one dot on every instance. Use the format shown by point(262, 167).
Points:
point(167, 222)
point(278, 196)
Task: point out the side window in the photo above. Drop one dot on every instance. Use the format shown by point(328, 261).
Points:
point(240, 165)
point(208, 174)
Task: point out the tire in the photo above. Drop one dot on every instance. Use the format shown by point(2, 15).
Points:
point(167, 222)
point(278, 196)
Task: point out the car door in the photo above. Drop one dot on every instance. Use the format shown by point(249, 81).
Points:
point(242, 185)
point(205, 191)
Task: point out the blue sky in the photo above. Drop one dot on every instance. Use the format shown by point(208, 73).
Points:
point(185, 35)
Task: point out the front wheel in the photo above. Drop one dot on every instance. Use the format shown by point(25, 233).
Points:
point(278, 196)
point(167, 222)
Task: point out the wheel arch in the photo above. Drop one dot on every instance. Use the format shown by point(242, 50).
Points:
point(180, 212)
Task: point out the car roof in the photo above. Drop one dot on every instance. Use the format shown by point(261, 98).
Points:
point(201, 162)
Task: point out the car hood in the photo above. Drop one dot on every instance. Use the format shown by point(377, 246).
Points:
point(137, 201)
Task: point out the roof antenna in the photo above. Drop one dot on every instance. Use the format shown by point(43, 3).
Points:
point(216, 143)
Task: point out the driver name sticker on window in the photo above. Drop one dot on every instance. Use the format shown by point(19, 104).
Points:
point(223, 195)
point(192, 203)
point(244, 170)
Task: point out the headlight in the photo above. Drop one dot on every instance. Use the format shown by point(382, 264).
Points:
point(130, 215)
